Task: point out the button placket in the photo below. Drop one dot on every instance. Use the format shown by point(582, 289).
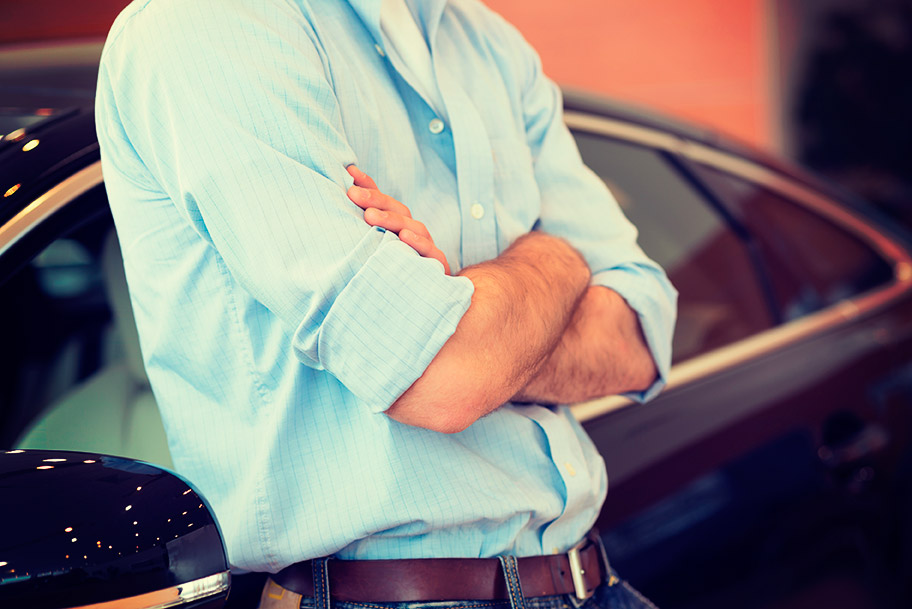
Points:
point(571, 466)
point(474, 172)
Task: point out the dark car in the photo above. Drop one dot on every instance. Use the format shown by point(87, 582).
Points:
point(774, 471)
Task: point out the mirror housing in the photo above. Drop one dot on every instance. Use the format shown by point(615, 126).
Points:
point(87, 530)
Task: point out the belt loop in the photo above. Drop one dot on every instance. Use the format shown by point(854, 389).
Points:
point(321, 583)
point(610, 577)
point(511, 575)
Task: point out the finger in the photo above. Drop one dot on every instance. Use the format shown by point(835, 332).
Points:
point(361, 178)
point(394, 222)
point(425, 247)
point(365, 197)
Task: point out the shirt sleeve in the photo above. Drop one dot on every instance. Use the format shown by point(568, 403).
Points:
point(577, 206)
point(233, 115)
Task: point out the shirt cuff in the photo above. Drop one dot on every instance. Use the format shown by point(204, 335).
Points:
point(655, 302)
point(389, 322)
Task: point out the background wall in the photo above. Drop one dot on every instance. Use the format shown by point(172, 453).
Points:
point(29, 20)
point(706, 60)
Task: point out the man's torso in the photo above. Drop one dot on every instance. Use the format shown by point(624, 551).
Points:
point(294, 465)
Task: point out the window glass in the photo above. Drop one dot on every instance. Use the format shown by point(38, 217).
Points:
point(720, 299)
point(56, 337)
point(74, 378)
point(812, 262)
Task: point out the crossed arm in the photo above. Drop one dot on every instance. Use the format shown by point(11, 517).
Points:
point(535, 330)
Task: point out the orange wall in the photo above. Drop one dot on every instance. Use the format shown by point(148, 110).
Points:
point(706, 60)
point(29, 20)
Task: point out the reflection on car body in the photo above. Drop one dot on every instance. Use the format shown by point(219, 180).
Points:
point(777, 459)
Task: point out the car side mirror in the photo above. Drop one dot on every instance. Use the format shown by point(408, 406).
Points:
point(86, 530)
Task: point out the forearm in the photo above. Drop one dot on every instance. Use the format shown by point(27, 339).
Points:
point(522, 304)
point(601, 352)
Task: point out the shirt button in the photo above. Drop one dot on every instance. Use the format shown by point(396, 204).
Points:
point(435, 126)
point(570, 469)
point(380, 50)
point(477, 211)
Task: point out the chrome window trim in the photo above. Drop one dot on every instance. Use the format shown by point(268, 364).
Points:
point(182, 594)
point(762, 343)
point(47, 204)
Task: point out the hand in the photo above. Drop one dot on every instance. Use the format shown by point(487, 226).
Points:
point(386, 212)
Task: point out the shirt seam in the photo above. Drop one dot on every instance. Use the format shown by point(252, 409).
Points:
point(113, 41)
point(225, 274)
point(262, 510)
point(311, 32)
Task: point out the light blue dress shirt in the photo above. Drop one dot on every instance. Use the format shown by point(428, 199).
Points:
point(277, 326)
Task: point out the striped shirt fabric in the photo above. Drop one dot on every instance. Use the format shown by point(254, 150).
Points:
point(276, 326)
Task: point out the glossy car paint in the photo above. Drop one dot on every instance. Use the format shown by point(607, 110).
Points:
point(80, 529)
point(40, 156)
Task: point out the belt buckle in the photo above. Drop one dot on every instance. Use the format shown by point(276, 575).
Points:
point(577, 572)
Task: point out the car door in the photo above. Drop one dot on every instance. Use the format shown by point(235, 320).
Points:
point(769, 469)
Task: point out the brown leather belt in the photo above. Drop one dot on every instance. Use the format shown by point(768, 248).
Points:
point(431, 579)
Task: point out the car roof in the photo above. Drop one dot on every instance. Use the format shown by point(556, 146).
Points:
point(576, 100)
point(60, 74)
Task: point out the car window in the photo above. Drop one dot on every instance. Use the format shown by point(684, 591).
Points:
point(75, 379)
point(812, 262)
point(721, 299)
point(55, 337)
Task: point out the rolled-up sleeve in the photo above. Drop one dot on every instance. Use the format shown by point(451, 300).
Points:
point(419, 308)
point(235, 118)
point(576, 205)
